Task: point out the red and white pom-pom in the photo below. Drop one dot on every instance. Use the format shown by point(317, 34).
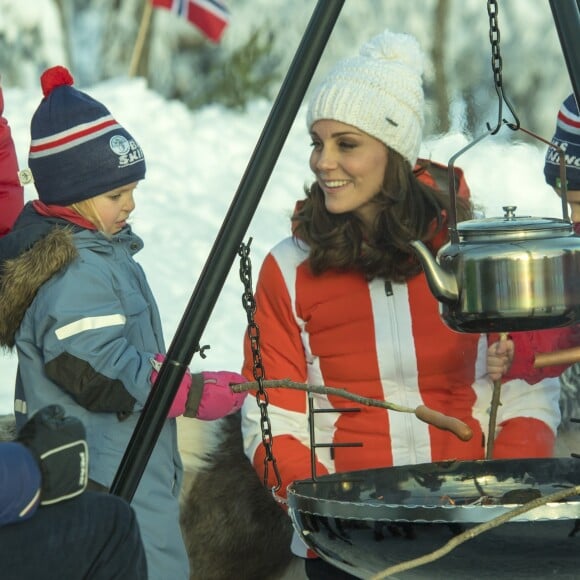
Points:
point(55, 77)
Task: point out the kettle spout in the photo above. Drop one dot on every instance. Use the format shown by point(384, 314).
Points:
point(442, 284)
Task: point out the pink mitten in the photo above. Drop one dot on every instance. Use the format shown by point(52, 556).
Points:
point(217, 399)
point(180, 401)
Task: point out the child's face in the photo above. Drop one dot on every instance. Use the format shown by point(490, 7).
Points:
point(114, 207)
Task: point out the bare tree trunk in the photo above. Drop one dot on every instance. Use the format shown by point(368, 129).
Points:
point(142, 42)
point(438, 55)
point(119, 36)
point(65, 12)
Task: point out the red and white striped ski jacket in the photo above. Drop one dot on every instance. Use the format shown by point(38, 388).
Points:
point(384, 341)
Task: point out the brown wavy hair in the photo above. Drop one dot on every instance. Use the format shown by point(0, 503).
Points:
point(406, 209)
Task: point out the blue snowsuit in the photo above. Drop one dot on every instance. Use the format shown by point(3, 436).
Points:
point(85, 325)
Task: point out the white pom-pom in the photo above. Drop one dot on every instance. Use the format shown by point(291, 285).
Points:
point(396, 47)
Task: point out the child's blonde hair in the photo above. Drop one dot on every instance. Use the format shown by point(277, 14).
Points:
point(87, 209)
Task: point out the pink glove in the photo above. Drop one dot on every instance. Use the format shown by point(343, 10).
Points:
point(217, 399)
point(180, 401)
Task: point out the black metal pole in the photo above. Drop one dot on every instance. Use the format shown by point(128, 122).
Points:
point(566, 14)
point(225, 248)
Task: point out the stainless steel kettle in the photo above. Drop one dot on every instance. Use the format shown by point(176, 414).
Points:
point(506, 274)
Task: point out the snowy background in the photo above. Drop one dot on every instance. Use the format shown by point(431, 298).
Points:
point(96, 40)
point(196, 159)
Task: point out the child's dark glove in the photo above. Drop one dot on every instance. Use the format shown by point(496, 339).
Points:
point(59, 445)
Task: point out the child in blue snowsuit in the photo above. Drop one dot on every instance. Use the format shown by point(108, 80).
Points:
point(77, 308)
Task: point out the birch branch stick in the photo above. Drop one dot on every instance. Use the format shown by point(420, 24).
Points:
point(476, 531)
point(422, 412)
point(321, 390)
point(495, 403)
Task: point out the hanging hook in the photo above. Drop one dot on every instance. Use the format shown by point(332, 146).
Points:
point(496, 65)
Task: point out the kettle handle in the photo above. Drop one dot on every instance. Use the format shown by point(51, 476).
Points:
point(453, 235)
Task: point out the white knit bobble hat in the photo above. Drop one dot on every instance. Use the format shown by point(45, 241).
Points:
point(379, 91)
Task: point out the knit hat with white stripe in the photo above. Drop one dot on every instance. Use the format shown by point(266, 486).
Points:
point(380, 92)
point(567, 137)
point(78, 150)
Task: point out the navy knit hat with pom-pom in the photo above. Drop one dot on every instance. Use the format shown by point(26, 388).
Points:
point(567, 137)
point(78, 150)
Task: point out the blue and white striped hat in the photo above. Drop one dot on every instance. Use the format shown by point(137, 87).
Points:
point(78, 150)
point(567, 137)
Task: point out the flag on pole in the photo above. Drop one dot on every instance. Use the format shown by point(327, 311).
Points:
point(210, 16)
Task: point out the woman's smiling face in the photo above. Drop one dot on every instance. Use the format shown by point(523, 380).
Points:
point(349, 166)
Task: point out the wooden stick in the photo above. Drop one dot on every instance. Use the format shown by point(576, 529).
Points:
point(422, 412)
point(495, 403)
point(476, 531)
point(567, 356)
point(141, 36)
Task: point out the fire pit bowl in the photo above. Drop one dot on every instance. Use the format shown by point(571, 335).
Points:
point(365, 521)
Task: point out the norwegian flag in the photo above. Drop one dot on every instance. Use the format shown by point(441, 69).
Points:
point(210, 16)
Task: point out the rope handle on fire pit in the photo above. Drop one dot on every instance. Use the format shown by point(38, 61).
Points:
point(422, 412)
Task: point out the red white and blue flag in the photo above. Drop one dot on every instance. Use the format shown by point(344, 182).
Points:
point(210, 16)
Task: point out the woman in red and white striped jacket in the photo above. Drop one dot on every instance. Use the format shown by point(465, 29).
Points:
point(343, 302)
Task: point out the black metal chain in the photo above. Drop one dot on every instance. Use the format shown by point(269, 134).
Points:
point(494, 38)
point(496, 66)
point(249, 304)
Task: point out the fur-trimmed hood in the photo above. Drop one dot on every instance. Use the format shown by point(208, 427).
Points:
point(22, 276)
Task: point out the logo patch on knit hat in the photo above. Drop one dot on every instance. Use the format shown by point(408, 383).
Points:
point(127, 150)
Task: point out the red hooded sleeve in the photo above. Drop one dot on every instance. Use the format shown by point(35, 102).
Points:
point(11, 192)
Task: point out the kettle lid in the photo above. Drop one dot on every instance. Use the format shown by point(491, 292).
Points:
point(511, 226)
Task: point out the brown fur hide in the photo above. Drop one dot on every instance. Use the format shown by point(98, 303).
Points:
point(232, 526)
